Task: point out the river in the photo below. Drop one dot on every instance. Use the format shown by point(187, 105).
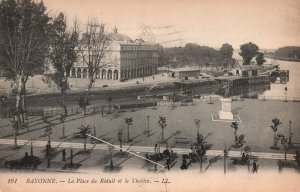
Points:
point(293, 85)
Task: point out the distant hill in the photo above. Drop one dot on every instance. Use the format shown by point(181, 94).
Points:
point(288, 53)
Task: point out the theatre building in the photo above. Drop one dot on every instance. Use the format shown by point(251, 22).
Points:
point(127, 59)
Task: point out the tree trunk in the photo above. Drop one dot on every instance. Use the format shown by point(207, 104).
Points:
point(162, 135)
point(128, 139)
point(235, 138)
point(23, 101)
point(285, 152)
point(201, 164)
point(18, 102)
point(88, 91)
point(15, 138)
point(121, 146)
point(49, 139)
point(275, 142)
point(225, 163)
point(63, 93)
point(84, 145)
point(111, 160)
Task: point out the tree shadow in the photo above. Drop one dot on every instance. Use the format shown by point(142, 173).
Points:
point(275, 148)
point(137, 136)
point(176, 133)
point(113, 169)
point(129, 157)
point(152, 134)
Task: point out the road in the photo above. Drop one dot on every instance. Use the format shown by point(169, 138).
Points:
point(144, 149)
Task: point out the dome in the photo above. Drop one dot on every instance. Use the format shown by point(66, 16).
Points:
point(119, 37)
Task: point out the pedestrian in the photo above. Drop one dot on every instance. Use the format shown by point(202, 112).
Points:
point(183, 165)
point(153, 77)
point(26, 159)
point(168, 162)
point(48, 148)
point(64, 155)
point(255, 166)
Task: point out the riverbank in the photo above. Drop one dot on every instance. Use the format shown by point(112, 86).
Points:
point(282, 58)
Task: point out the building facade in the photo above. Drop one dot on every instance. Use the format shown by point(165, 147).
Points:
point(126, 59)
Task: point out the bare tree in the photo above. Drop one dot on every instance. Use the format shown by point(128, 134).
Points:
point(94, 46)
point(162, 123)
point(24, 28)
point(63, 54)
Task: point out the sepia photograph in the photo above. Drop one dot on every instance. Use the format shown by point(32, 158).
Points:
point(161, 95)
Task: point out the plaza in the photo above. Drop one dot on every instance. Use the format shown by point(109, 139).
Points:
point(255, 125)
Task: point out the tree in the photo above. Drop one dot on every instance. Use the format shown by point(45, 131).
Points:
point(162, 123)
point(248, 51)
point(285, 145)
point(201, 146)
point(197, 123)
point(226, 52)
point(24, 35)
point(94, 47)
point(260, 58)
point(111, 149)
point(84, 130)
point(63, 54)
point(128, 121)
point(276, 122)
point(235, 126)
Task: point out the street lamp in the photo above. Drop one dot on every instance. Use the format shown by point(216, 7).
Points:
point(285, 92)
point(128, 122)
point(290, 133)
point(226, 150)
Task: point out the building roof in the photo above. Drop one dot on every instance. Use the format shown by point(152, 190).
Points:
point(119, 37)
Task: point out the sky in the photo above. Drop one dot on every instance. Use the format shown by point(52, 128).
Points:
point(268, 23)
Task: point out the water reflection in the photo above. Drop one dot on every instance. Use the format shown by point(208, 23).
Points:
point(291, 89)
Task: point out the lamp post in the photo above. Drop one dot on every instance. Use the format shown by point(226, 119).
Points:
point(225, 157)
point(290, 133)
point(148, 125)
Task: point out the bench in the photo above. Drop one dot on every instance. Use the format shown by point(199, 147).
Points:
point(182, 140)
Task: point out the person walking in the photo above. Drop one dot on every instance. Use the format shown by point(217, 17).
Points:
point(168, 162)
point(183, 165)
point(255, 166)
point(64, 155)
